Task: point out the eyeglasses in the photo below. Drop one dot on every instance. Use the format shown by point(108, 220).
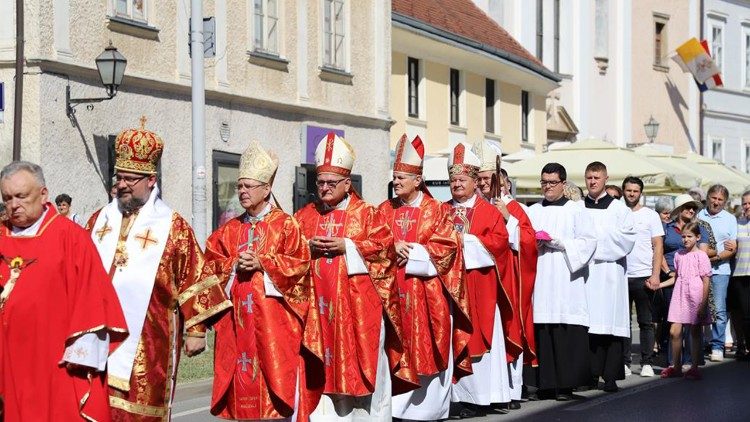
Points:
point(330, 184)
point(550, 183)
point(249, 187)
point(129, 180)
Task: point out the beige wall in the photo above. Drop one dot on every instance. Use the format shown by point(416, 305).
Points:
point(665, 95)
point(435, 108)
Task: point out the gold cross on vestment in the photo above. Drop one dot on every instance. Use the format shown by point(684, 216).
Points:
point(103, 231)
point(143, 122)
point(330, 226)
point(146, 239)
point(405, 223)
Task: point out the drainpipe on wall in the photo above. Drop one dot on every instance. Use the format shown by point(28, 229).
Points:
point(198, 118)
point(18, 104)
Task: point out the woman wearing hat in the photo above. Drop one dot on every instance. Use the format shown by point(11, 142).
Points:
point(685, 211)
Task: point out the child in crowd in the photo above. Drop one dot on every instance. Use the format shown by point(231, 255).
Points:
point(689, 300)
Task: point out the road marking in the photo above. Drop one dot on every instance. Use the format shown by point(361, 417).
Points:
point(622, 393)
point(190, 412)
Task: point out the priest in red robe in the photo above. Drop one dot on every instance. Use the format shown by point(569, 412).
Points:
point(269, 350)
point(431, 286)
point(486, 256)
point(353, 271)
point(56, 331)
point(158, 270)
point(521, 269)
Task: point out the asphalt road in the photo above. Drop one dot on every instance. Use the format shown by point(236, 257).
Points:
point(722, 395)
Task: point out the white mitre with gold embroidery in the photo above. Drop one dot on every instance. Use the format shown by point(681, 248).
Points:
point(257, 164)
point(334, 155)
point(487, 153)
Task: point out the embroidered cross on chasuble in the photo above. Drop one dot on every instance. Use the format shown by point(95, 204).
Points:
point(247, 382)
point(462, 218)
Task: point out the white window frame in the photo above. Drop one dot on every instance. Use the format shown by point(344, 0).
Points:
point(129, 13)
point(719, 141)
point(746, 156)
point(333, 62)
point(267, 20)
point(719, 60)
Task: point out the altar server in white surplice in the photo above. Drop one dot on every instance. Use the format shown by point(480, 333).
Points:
point(566, 242)
point(607, 286)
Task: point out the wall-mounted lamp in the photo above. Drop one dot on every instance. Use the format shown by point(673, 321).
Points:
point(111, 66)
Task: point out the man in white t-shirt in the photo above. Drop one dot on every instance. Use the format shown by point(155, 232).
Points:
point(643, 267)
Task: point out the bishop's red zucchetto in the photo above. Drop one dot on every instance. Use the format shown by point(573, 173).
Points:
point(138, 150)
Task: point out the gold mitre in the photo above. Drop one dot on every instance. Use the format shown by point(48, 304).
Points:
point(257, 164)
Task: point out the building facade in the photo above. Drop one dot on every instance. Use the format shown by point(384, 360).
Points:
point(613, 58)
point(726, 112)
point(457, 76)
point(285, 73)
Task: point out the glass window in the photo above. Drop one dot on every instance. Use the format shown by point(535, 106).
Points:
point(489, 106)
point(455, 95)
point(717, 46)
point(717, 150)
point(226, 204)
point(265, 22)
point(747, 157)
point(413, 70)
point(524, 116)
point(333, 34)
point(659, 31)
point(747, 60)
point(131, 9)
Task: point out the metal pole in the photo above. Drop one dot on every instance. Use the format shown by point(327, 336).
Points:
point(199, 132)
point(18, 93)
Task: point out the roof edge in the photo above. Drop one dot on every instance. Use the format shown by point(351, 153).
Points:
point(502, 54)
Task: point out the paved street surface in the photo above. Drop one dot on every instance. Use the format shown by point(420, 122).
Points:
point(722, 395)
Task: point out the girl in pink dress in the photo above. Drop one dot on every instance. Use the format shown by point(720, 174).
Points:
point(689, 300)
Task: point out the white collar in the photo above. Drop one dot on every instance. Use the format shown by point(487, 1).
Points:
point(340, 206)
point(469, 203)
point(604, 192)
point(248, 218)
point(32, 230)
point(415, 203)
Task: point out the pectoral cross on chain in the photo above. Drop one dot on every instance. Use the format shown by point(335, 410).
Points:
point(251, 237)
point(248, 303)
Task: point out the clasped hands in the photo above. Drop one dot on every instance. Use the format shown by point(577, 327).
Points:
point(323, 246)
point(729, 246)
point(248, 261)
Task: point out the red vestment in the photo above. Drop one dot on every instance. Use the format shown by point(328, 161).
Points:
point(426, 301)
point(185, 296)
point(352, 307)
point(62, 293)
point(523, 276)
point(484, 286)
point(266, 340)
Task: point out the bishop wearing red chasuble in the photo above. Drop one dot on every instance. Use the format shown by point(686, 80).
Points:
point(486, 256)
point(520, 272)
point(158, 270)
point(433, 295)
point(353, 272)
point(269, 350)
point(60, 317)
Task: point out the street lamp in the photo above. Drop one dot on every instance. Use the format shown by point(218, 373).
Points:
point(652, 128)
point(111, 66)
